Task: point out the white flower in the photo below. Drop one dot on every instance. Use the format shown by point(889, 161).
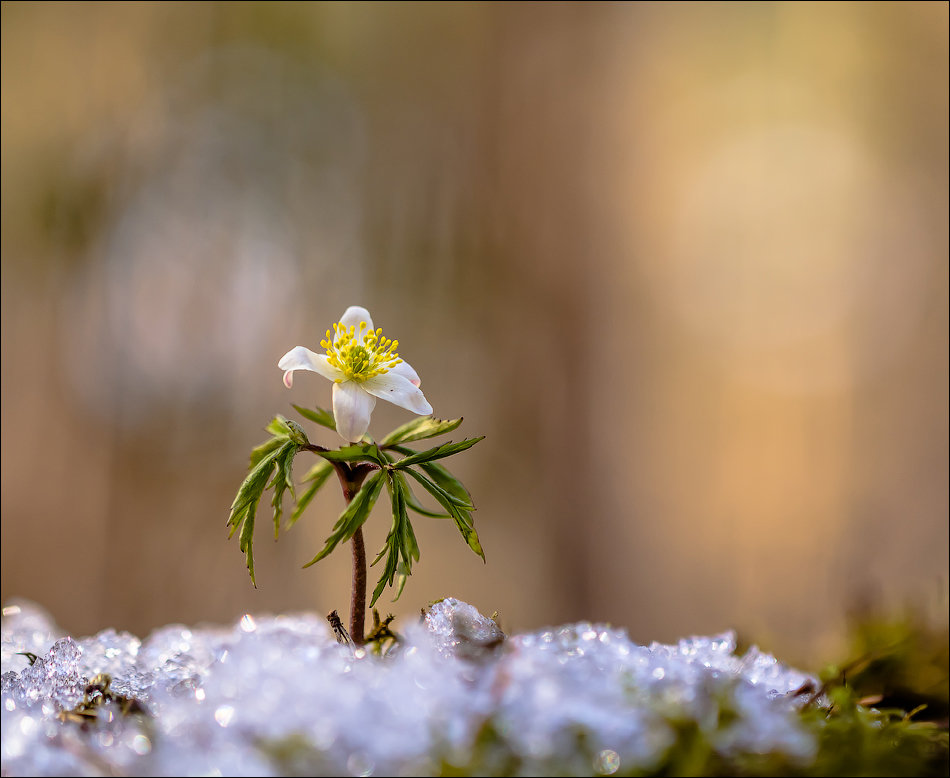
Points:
point(363, 365)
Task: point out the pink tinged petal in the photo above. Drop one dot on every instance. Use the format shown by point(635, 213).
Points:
point(405, 370)
point(300, 358)
point(352, 408)
point(354, 316)
point(398, 390)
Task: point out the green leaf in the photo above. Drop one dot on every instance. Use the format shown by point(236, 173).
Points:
point(357, 452)
point(278, 427)
point(464, 524)
point(402, 575)
point(462, 517)
point(438, 492)
point(261, 451)
point(320, 416)
point(246, 543)
point(413, 503)
point(411, 543)
point(380, 585)
point(319, 472)
point(400, 584)
point(282, 481)
point(251, 489)
point(299, 436)
point(244, 507)
point(317, 477)
point(441, 476)
point(285, 428)
point(394, 540)
point(419, 429)
point(445, 450)
point(353, 515)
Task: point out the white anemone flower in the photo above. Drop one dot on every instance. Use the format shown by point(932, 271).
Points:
point(363, 366)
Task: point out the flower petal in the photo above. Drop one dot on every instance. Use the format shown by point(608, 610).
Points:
point(354, 316)
point(300, 358)
point(405, 370)
point(352, 407)
point(398, 390)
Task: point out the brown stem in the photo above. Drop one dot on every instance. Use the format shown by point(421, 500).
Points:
point(351, 478)
point(358, 593)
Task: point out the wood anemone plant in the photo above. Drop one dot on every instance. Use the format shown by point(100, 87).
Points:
point(362, 469)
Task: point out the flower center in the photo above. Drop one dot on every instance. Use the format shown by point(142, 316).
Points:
point(360, 354)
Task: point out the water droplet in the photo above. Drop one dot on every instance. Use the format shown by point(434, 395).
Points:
point(141, 745)
point(607, 762)
point(224, 714)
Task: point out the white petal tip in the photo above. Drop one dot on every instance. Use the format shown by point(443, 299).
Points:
point(289, 379)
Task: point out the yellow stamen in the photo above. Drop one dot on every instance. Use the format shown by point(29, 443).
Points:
point(360, 356)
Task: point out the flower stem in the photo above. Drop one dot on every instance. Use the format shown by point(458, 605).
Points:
point(351, 479)
point(358, 593)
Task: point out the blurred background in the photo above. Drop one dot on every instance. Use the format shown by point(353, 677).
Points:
point(684, 265)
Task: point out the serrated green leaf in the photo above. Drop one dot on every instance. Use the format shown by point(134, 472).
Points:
point(319, 416)
point(261, 451)
point(441, 476)
point(278, 427)
point(412, 542)
point(379, 555)
point(380, 585)
point(244, 508)
point(408, 543)
point(282, 481)
point(411, 501)
point(463, 520)
point(393, 540)
point(445, 450)
point(246, 543)
point(316, 477)
point(305, 499)
point(438, 492)
point(402, 575)
point(353, 515)
point(471, 537)
point(281, 427)
point(399, 585)
point(462, 517)
point(414, 505)
point(389, 570)
point(357, 452)
point(321, 470)
point(419, 429)
point(251, 489)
